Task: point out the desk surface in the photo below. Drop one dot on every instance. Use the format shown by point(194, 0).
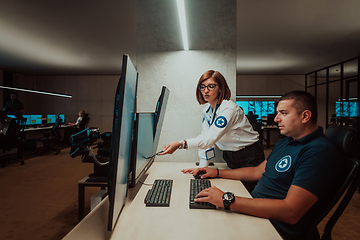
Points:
point(137, 221)
point(45, 128)
point(30, 129)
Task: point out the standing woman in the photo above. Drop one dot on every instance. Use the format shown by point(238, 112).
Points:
point(224, 125)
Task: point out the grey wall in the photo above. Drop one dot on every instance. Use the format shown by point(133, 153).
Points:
point(93, 94)
point(161, 63)
point(268, 84)
point(180, 72)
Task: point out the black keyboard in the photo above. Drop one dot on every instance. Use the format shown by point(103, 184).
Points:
point(159, 194)
point(196, 186)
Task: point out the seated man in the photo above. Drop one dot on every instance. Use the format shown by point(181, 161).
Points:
point(299, 170)
point(81, 116)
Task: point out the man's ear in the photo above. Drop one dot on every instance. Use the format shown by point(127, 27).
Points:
point(306, 115)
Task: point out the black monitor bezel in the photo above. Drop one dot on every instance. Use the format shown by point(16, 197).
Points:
point(115, 140)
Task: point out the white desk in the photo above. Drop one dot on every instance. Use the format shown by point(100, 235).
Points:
point(137, 221)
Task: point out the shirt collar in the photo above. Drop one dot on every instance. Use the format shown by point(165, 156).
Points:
point(308, 138)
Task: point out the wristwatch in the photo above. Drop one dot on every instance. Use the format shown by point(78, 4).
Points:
point(228, 198)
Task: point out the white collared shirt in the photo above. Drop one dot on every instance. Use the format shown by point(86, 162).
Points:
point(227, 127)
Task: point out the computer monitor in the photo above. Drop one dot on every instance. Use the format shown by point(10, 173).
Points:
point(51, 118)
point(259, 108)
point(62, 116)
point(347, 109)
point(36, 119)
point(28, 120)
point(142, 146)
point(159, 115)
point(123, 119)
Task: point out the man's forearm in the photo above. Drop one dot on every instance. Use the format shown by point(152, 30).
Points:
point(246, 173)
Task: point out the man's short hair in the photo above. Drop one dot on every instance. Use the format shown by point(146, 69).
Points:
point(303, 101)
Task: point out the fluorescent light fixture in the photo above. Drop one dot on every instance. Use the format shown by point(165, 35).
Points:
point(350, 99)
point(36, 91)
point(254, 96)
point(181, 11)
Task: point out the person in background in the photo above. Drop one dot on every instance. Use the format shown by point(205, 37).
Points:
point(14, 105)
point(297, 173)
point(224, 124)
point(81, 116)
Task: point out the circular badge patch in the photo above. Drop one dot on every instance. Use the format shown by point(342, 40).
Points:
point(220, 122)
point(283, 164)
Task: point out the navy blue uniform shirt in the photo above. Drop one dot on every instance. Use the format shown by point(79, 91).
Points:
point(311, 163)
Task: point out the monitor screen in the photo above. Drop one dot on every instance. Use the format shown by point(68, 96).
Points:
point(347, 109)
point(28, 120)
point(36, 119)
point(146, 134)
point(124, 110)
point(259, 108)
point(159, 115)
point(62, 116)
point(143, 136)
point(51, 118)
point(354, 109)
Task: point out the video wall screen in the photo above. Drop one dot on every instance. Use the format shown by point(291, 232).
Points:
point(259, 108)
point(347, 109)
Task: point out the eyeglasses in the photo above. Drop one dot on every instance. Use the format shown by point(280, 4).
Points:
point(210, 87)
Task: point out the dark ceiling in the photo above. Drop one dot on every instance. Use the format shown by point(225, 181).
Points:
point(90, 37)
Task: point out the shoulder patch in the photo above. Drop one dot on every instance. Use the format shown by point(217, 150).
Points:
point(220, 122)
point(283, 164)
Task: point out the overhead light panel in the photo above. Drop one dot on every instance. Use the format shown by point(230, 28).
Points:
point(258, 96)
point(182, 18)
point(36, 91)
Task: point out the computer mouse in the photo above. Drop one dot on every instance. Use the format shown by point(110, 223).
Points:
point(199, 174)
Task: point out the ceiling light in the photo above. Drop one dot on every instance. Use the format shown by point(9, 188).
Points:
point(36, 91)
point(181, 11)
point(255, 96)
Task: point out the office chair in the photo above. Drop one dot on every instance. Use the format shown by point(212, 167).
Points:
point(12, 139)
point(51, 137)
point(344, 138)
point(256, 126)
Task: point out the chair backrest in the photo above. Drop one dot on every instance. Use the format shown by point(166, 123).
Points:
point(55, 128)
point(84, 122)
point(12, 135)
point(344, 138)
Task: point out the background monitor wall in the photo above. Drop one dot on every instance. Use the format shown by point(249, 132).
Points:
point(36, 119)
point(259, 108)
point(51, 118)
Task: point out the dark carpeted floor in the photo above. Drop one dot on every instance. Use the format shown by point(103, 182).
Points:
point(39, 199)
